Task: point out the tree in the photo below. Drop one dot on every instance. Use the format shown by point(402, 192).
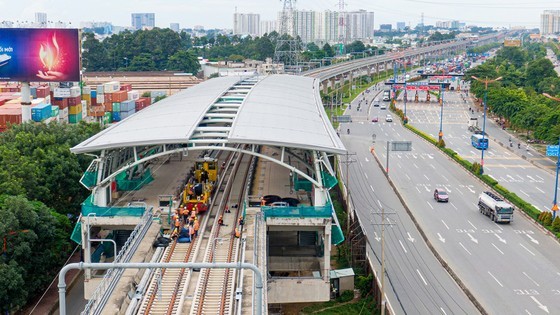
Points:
point(539, 69)
point(183, 61)
point(329, 52)
point(356, 46)
point(143, 62)
point(312, 47)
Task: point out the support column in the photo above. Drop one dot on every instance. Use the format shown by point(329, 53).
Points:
point(25, 102)
point(327, 252)
point(99, 193)
point(333, 82)
point(320, 193)
point(325, 86)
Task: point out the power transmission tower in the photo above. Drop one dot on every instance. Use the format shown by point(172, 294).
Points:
point(342, 30)
point(287, 46)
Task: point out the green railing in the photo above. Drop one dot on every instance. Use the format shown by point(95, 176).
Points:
point(337, 236)
point(297, 212)
point(76, 235)
point(301, 183)
point(329, 181)
point(124, 184)
point(88, 207)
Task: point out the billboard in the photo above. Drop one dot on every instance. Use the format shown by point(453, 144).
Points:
point(39, 55)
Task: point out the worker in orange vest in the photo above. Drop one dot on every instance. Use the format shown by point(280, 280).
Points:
point(196, 227)
point(221, 220)
point(240, 221)
point(237, 233)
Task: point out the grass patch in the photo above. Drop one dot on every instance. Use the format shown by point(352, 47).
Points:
point(359, 306)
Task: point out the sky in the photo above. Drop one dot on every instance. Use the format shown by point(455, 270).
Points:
point(219, 13)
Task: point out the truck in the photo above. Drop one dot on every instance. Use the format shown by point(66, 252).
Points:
point(386, 95)
point(495, 207)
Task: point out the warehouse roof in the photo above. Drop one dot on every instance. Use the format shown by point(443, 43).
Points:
point(278, 110)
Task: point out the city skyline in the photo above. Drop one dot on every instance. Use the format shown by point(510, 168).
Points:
point(218, 13)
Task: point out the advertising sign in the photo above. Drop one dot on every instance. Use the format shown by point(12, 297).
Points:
point(39, 55)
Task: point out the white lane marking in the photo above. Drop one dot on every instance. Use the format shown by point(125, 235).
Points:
point(500, 238)
point(426, 177)
point(405, 251)
point(499, 227)
point(495, 279)
point(535, 282)
point(472, 238)
point(526, 194)
point(365, 174)
point(453, 205)
point(538, 208)
point(366, 159)
point(531, 178)
point(443, 311)
point(539, 189)
point(472, 225)
point(379, 202)
point(465, 248)
point(444, 224)
point(443, 239)
point(526, 311)
point(540, 177)
point(361, 165)
point(415, 165)
point(532, 239)
point(527, 249)
point(429, 204)
point(424, 280)
point(531, 154)
point(410, 238)
point(371, 188)
point(426, 187)
point(460, 192)
point(496, 247)
point(418, 189)
point(470, 189)
point(399, 165)
point(407, 176)
point(444, 177)
point(377, 238)
point(432, 165)
point(541, 306)
point(473, 153)
point(494, 178)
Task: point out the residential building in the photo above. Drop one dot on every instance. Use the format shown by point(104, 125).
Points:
point(143, 20)
point(246, 24)
point(385, 27)
point(174, 27)
point(41, 19)
point(305, 25)
point(267, 27)
point(401, 26)
point(550, 22)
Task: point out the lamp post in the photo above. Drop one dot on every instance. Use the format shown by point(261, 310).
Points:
point(485, 81)
point(440, 134)
point(554, 202)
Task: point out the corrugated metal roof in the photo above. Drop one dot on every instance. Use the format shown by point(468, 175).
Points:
point(280, 110)
point(339, 273)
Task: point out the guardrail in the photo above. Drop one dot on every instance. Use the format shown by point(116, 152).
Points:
point(111, 278)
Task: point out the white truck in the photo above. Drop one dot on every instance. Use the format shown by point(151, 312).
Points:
point(494, 207)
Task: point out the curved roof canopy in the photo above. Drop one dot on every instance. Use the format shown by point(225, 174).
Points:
point(276, 110)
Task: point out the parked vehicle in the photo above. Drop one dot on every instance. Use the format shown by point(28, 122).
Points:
point(494, 207)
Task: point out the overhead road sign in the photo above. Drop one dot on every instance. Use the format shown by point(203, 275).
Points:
point(39, 55)
point(401, 145)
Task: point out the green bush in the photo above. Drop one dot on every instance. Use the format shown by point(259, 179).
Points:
point(475, 168)
point(547, 219)
point(556, 224)
point(441, 144)
point(346, 296)
point(489, 180)
point(364, 283)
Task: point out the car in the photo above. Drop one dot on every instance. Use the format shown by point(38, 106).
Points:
point(383, 106)
point(376, 103)
point(279, 204)
point(293, 202)
point(375, 119)
point(441, 195)
point(268, 199)
point(388, 118)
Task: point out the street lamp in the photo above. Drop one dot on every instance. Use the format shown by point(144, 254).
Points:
point(440, 134)
point(486, 81)
point(555, 203)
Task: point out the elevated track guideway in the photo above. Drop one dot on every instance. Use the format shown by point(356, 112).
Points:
point(214, 292)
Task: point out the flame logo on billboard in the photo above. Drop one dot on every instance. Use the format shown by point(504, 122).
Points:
point(48, 53)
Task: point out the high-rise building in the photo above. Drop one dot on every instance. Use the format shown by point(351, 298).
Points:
point(550, 22)
point(359, 25)
point(385, 27)
point(401, 26)
point(143, 20)
point(41, 19)
point(267, 27)
point(174, 27)
point(305, 25)
point(246, 24)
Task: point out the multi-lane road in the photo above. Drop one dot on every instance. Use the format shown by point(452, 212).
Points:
point(510, 269)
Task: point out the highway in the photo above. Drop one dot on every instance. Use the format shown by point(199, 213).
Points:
point(509, 268)
point(416, 282)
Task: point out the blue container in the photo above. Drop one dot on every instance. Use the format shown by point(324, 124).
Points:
point(93, 93)
point(127, 106)
point(41, 112)
point(116, 116)
point(34, 92)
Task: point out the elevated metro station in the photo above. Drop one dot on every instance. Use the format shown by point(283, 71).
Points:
point(139, 171)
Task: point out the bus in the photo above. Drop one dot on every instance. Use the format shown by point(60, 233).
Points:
point(386, 95)
point(479, 141)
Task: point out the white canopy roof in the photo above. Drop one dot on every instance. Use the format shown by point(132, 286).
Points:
point(278, 110)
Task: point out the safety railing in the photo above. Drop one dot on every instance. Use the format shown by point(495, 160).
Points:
point(298, 212)
point(88, 207)
point(112, 277)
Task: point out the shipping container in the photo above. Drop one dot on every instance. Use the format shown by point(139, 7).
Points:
point(108, 106)
point(9, 116)
point(111, 87)
point(62, 92)
point(63, 114)
point(96, 111)
point(41, 112)
point(127, 106)
point(116, 107)
point(126, 87)
point(74, 100)
point(74, 119)
point(116, 116)
point(33, 91)
point(93, 94)
point(75, 109)
point(86, 90)
point(99, 89)
point(107, 118)
point(55, 111)
point(120, 96)
point(133, 95)
point(100, 98)
point(43, 91)
point(124, 115)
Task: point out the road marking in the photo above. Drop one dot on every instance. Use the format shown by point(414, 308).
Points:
point(472, 225)
point(535, 282)
point(453, 205)
point(432, 165)
point(441, 238)
point(429, 204)
point(496, 247)
point(526, 311)
point(415, 165)
point(426, 177)
point(410, 238)
point(379, 202)
point(532, 239)
point(426, 187)
point(405, 251)
point(539, 189)
point(472, 238)
point(542, 307)
point(465, 248)
point(531, 178)
point(444, 224)
point(371, 188)
point(524, 192)
point(494, 178)
point(498, 226)
point(366, 159)
point(418, 189)
point(399, 165)
point(377, 238)
point(424, 280)
point(538, 208)
point(407, 176)
point(500, 238)
point(361, 165)
point(473, 153)
point(470, 189)
point(527, 249)
point(531, 154)
point(460, 192)
point(495, 279)
point(540, 177)
point(444, 177)
point(443, 311)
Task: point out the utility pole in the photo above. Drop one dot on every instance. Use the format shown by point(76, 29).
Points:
point(347, 161)
point(287, 49)
point(383, 300)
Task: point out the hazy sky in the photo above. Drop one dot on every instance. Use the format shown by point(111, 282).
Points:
point(219, 13)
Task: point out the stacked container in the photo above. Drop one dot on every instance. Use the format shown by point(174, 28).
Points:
point(41, 112)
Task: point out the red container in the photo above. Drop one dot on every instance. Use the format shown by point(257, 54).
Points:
point(61, 103)
point(43, 91)
point(108, 106)
point(9, 116)
point(94, 101)
point(126, 87)
point(74, 100)
point(96, 111)
point(108, 98)
point(120, 96)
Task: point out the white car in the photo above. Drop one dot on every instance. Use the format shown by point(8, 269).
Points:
point(383, 106)
point(389, 118)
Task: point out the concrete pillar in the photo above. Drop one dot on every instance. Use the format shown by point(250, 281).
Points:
point(25, 102)
point(333, 82)
point(320, 193)
point(100, 192)
point(327, 252)
point(325, 86)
